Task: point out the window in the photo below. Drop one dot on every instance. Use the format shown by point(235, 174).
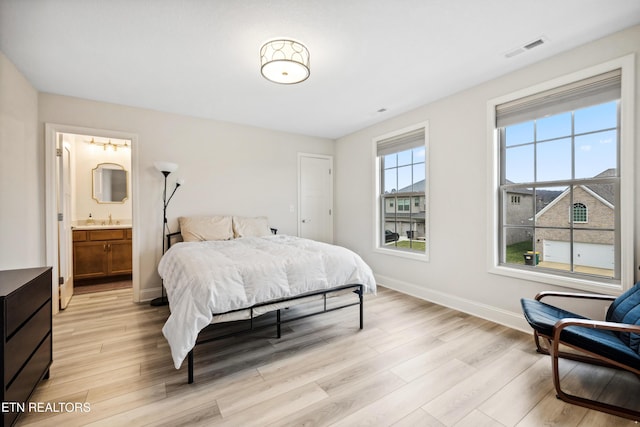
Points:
point(403, 205)
point(402, 178)
point(579, 213)
point(559, 180)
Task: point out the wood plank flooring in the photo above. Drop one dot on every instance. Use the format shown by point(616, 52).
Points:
point(90, 287)
point(414, 364)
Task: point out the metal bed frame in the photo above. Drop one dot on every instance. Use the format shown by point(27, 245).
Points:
point(358, 289)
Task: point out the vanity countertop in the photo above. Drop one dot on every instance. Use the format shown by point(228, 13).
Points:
point(99, 226)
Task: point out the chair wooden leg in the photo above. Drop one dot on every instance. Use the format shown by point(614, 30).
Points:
point(582, 401)
point(539, 347)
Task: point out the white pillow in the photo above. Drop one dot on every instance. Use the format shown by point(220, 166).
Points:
point(251, 227)
point(201, 228)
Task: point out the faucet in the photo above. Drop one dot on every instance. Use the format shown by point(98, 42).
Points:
point(110, 220)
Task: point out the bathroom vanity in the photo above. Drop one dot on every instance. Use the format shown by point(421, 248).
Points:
point(101, 252)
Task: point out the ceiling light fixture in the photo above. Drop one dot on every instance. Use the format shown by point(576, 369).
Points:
point(284, 61)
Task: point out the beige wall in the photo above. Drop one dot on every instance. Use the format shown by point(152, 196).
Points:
point(21, 172)
point(457, 273)
point(228, 168)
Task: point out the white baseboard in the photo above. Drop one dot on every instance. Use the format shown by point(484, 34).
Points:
point(149, 294)
point(484, 311)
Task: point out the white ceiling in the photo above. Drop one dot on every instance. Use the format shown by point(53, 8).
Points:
point(201, 57)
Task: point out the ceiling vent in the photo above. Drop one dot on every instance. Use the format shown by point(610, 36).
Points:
point(526, 47)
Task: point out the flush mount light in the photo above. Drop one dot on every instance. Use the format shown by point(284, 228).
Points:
point(284, 61)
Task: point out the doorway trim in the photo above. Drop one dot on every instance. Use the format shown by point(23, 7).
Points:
point(51, 211)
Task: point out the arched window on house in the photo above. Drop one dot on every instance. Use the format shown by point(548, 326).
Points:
point(580, 212)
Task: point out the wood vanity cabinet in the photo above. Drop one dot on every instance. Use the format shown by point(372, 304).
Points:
point(101, 253)
point(25, 319)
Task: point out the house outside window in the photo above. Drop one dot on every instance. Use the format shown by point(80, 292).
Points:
point(402, 220)
point(559, 180)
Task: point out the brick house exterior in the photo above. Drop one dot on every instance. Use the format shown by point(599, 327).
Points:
point(592, 207)
point(519, 211)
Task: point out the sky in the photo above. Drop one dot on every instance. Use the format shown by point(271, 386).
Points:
point(410, 169)
point(595, 149)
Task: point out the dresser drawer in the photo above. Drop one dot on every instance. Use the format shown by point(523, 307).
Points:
point(116, 234)
point(23, 385)
point(26, 339)
point(25, 301)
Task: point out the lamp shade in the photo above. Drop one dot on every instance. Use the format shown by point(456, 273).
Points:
point(284, 61)
point(166, 166)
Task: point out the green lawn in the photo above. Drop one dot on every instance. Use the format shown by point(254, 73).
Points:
point(515, 252)
point(416, 245)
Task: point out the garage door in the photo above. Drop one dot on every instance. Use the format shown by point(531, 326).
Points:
point(586, 254)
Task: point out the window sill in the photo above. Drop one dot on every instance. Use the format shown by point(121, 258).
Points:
point(403, 254)
point(602, 286)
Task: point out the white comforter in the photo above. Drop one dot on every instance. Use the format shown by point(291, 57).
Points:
point(203, 278)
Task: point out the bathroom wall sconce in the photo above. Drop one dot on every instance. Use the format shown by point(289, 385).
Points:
point(284, 61)
point(113, 145)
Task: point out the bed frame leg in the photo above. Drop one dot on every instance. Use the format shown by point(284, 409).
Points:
point(190, 367)
point(278, 323)
point(360, 295)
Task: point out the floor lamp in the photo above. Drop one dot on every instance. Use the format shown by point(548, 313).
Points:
point(165, 168)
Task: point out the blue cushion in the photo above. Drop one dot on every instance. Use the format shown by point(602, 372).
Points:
point(542, 317)
point(626, 309)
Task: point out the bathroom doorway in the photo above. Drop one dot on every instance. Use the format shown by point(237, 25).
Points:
point(90, 210)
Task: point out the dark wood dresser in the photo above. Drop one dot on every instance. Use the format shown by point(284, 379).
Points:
point(25, 313)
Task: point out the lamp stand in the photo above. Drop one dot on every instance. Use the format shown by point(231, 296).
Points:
point(162, 300)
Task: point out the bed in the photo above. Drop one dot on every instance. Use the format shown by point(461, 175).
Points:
point(253, 273)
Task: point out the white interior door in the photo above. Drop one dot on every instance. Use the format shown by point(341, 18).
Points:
point(315, 183)
point(65, 251)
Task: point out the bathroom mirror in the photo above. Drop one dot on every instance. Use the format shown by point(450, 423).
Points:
point(109, 182)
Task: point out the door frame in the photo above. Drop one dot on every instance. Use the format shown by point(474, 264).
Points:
point(65, 245)
point(317, 156)
point(51, 211)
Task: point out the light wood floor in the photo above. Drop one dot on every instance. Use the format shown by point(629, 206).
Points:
point(414, 364)
point(81, 289)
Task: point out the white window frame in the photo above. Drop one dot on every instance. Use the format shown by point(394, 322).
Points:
point(378, 230)
point(627, 181)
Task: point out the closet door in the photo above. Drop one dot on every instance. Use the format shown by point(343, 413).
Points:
point(315, 197)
